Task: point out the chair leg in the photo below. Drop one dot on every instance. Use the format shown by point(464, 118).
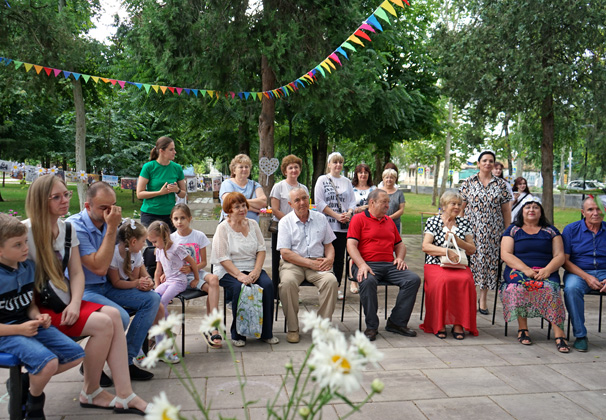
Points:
point(505, 328)
point(360, 317)
point(422, 300)
point(568, 330)
point(225, 307)
point(600, 316)
point(542, 321)
point(182, 325)
point(385, 302)
point(496, 292)
point(548, 329)
point(15, 409)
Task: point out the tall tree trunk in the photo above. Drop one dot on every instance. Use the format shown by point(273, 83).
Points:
point(80, 138)
point(435, 180)
point(507, 142)
point(243, 139)
point(417, 178)
point(319, 158)
point(266, 122)
point(562, 172)
point(446, 153)
point(548, 127)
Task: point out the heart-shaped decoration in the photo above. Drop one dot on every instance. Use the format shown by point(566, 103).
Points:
point(268, 166)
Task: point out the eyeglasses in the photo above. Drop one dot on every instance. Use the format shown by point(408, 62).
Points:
point(57, 197)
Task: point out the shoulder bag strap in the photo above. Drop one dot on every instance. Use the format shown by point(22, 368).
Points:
point(520, 200)
point(68, 244)
point(336, 193)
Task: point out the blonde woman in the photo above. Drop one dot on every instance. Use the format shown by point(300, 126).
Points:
point(334, 196)
point(240, 167)
point(396, 197)
point(46, 203)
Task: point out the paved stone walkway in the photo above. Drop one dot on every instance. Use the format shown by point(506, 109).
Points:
point(491, 376)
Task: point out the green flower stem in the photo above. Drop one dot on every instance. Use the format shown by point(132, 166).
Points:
point(302, 392)
point(354, 407)
point(240, 381)
point(295, 386)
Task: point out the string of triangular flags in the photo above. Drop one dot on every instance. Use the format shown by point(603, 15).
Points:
point(370, 25)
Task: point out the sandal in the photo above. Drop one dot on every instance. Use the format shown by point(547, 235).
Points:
point(524, 338)
point(125, 409)
point(273, 340)
point(441, 334)
point(457, 335)
point(91, 397)
point(211, 340)
point(238, 343)
point(353, 287)
point(562, 345)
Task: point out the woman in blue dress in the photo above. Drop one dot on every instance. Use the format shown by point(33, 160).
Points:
point(534, 252)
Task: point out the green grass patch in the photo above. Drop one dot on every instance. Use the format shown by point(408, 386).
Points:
point(14, 196)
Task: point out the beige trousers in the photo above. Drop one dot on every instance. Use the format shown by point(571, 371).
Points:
point(291, 276)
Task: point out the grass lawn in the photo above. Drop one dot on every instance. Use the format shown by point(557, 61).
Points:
point(14, 196)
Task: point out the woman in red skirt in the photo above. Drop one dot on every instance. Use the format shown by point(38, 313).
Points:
point(450, 294)
point(46, 203)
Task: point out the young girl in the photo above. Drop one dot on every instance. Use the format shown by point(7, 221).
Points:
point(127, 271)
point(170, 259)
point(196, 242)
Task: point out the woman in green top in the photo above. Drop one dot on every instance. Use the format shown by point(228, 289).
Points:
point(160, 180)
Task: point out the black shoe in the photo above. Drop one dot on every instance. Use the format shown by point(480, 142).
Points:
point(24, 390)
point(137, 374)
point(34, 407)
point(482, 311)
point(371, 334)
point(405, 331)
point(105, 381)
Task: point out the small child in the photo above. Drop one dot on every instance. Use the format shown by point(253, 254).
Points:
point(127, 271)
point(196, 242)
point(24, 331)
point(170, 259)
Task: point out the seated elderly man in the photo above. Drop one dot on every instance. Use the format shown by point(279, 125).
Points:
point(585, 252)
point(372, 240)
point(305, 244)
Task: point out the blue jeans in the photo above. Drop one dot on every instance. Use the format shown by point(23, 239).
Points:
point(35, 352)
point(231, 284)
point(575, 289)
point(145, 304)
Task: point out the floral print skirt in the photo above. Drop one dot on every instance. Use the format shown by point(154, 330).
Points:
point(529, 298)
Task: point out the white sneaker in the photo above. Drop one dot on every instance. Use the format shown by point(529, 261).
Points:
point(139, 359)
point(170, 357)
point(340, 295)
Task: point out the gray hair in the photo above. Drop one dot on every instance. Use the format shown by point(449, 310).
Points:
point(390, 172)
point(449, 196)
point(296, 190)
point(586, 200)
point(374, 194)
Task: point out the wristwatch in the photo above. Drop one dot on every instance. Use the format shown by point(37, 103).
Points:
point(179, 192)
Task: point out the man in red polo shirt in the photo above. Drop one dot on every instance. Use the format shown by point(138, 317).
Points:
point(372, 241)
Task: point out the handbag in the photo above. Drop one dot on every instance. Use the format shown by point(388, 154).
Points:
point(273, 226)
point(446, 262)
point(51, 296)
point(249, 317)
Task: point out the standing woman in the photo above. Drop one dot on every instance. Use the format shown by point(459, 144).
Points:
point(396, 197)
point(160, 180)
point(488, 208)
point(291, 168)
point(362, 186)
point(46, 203)
point(498, 172)
point(521, 195)
point(255, 197)
point(335, 198)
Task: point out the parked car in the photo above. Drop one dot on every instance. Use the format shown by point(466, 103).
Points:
point(589, 185)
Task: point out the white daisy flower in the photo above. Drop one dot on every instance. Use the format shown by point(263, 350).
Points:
point(322, 330)
point(365, 348)
point(155, 354)
point(162, 409)
point(337, 366)
point(212, 322)
point(165, 325)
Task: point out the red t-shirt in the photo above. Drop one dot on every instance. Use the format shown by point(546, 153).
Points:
point(376, 238)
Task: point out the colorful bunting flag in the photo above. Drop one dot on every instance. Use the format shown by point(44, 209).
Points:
point(370, 25)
